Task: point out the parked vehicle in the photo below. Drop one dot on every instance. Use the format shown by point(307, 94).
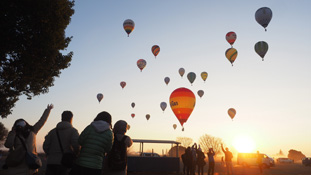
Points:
point(306, 161)
point(284, 160)
point(250, 159)
point(149, 155)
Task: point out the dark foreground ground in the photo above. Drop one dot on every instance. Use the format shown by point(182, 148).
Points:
point(279, 169)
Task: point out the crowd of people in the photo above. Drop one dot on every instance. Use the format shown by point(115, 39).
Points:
point(194, 158)
point(90, 150)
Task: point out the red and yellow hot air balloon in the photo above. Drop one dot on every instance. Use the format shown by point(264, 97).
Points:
point(128, 26)
point(132, 115)
point(182, 101)
point(155, 50)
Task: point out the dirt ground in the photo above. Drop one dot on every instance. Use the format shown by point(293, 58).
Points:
point(279, 169)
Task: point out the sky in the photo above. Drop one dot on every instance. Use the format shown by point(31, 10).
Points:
point(272, 97)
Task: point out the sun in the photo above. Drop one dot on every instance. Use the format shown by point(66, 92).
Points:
point(244, 144)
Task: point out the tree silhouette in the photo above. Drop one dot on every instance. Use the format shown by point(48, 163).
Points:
point(295, 155)
point(207, 141)
point(32, 43)
point(184, 141)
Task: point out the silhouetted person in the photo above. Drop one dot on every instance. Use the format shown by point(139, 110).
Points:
point(23, 132)
point(211, 161)
point(183, 158)
point(194, 158)
point(68, 136)
point(259, 161)
point(119, 130)
point(200, 161)
point(228, 160)
point(188, 161)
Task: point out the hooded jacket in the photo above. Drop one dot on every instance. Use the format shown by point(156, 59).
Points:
point(69, 139)
point(95, 140)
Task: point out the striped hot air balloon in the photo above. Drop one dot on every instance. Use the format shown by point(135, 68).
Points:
point(182, 102)
point(231, 54)
point(155, 50)
point(128, 26)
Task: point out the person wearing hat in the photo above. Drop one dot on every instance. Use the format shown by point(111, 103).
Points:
point(23, 132)
point(95, 141)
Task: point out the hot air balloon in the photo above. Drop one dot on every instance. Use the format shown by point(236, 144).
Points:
point(231, 113)
point(231, 55)
point(155, 50)
point(132, 115)
point(191, 77)
point(181, 72)
point(141, 63)
point(263, 16)
point(231, 37)
point(133, 105)
point(123, 84)
point(128, 26)
point(147, 116)
point(200, 93)
point(261, 48)
point(174, 126)
point(182, 102)
point(163, 106)
point(166, 80)
point(204, 76)
point(100, 96)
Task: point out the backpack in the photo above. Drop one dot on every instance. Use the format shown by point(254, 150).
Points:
point(117, 156)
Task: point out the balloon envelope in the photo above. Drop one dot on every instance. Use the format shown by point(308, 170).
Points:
point(147, 116)
point(200, 93)
point(231, 113)
point(181, 72)
point(133, 105)
point(263, 16)
point(100, 96)
point(141, 63)
point(166, 80)
point(182, 102)
point(128, 26)
point(163, 106)
point(204, 75)
point(123, 84)
point(261, 48)
point(174, 126)
point(132, 115)
point(231, 54)
point(191, 77)
point(231, 37)
point(155, 50)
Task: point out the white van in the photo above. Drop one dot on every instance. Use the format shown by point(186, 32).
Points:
point(250, 159)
